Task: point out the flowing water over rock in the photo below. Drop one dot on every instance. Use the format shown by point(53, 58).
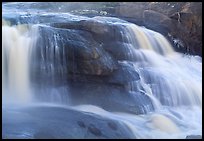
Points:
point(69, 76)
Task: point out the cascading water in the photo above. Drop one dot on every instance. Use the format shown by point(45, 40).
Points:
point(37, 60)
point(165, 73)
point(172, 80)
point(16, 44)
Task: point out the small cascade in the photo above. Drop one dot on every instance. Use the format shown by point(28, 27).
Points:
point(49, 67)
point(16, 46)
point(165, 74)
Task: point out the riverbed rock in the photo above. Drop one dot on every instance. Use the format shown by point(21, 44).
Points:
point(121, 50)
point(112, 98)
point(55, 122)
point(186, 19)
point(105, 65)
point(157, 21)
point(183, 20)
point(91, 66)
point(194, 137)
point(125, 74)
point(74, 49)
point(189, 27)
point(131, 11)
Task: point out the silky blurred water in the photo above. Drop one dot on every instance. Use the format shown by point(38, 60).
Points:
point(172, 80)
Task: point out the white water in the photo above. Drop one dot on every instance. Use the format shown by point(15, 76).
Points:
point(168, 122)
point(175, 88)
point(176, 81)
point(16, 45)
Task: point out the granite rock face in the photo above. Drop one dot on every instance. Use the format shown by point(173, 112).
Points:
point(183, 20)
point(88, 56)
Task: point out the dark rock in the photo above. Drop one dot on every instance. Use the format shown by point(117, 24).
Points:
point(105, 65)
point(157, 21)
point(112, 125)
point(185, 23)
point(95, 26)
point(110, 97)
point(43, 135)
point(81, 124)
point(189, 27)
point(131, 9)
point(183, 20)
point(49, 122)
point(194, 137)
point(121, 50)
point(103, 31)
point(124, 74)
point(74, 42)
point(74, 51)
point(166, 8)
point(102, 28)
point(94, 130)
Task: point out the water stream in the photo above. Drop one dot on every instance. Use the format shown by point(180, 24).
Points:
point(173, 81)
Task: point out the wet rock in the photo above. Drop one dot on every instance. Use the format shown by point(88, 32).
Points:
point(76, 44)
point(121, 50)
point(189, 27)
point(124, 74)
point(112, 125)
point(157, 21)
point(131, 10)
point(74, 51)
point(181, 19)
point(110, 97)
point(105, 65)
point(94, 130)
point(49, 122)
point(101, 28)
point(81, 124)
point(43, 135)
point(166, 8)
point(194, 137)
point(95, 26)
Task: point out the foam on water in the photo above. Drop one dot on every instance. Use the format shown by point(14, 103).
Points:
point(168, 122)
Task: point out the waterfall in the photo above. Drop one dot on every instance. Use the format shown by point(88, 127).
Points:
point(16, 45)
point(57, 63)
point(172, 78)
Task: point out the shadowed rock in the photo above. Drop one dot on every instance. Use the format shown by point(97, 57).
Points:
point(94, 130)
point(112, 125)
point(49, 122)
point(194, 137)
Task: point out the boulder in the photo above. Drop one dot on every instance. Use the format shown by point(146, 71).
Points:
point(183, 20)
point(122, 76)
point(105, 65)
point(55, 122)
point(112, 98)
point(120, 50)
point(157, 21)
point(131, 10)
point(166, 8)
point(75, 51)
point(194, 137)
point(189, 27)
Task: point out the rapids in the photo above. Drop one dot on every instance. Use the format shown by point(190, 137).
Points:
point(171, 80)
